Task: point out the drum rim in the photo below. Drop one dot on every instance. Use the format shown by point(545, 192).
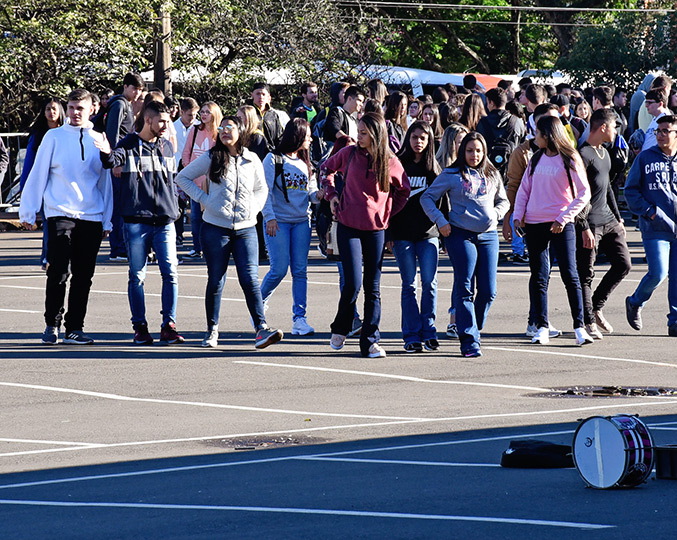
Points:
point(618, 483)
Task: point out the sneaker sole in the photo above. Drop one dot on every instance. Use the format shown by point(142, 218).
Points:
point(74, 342)
point(377, 355)
point(272, 339)
point(175, 342)
point(142, 342)
point(299, 333)
point(354, 333)
point(50, 342)
point(209, 345)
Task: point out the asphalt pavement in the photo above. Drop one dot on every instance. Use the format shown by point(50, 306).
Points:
point(298, 441)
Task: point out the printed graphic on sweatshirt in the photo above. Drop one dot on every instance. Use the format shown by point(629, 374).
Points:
point(661, 172)
point(418, 184)
point(474, 185)
point(296, 181)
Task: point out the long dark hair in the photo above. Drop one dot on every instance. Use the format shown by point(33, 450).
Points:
point(485, 168)
point(407, 154)
point(378, 132)
point(552, 129)
point(392, 109)
point(221, 155)
point(40, 125)
point(436, 123)
point(473, 111)
point(293, 137)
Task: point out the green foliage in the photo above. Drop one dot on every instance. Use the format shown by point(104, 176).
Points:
point(48, 48)
point(621, 52)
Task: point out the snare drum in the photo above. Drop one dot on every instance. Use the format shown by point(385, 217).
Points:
point(613, 451)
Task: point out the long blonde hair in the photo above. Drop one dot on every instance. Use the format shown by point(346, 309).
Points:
point(446, 154)
point(217, 116)
point(252, 124)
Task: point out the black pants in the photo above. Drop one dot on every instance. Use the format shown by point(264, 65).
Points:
point(610, 240)
point(71, 249)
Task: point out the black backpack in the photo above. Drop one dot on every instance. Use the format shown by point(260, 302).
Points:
point(278, 160)
point(502, 147)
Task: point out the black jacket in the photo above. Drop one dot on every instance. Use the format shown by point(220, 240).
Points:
point(500, 123)
point(147, 190)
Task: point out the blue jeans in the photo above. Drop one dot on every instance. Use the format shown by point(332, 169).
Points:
point(661, 256)
point(342, 282)
point(354, 246)
point(475, 258)
point(116, 237)
point(288, 249)
point(539, 238)
point(418, 325)
point(140, 237)
point(196, 224)
point(219, 243)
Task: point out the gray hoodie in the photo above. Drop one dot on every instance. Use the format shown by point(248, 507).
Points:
point(301, 191)
point(477, 203)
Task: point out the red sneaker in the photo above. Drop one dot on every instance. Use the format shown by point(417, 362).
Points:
point(169, 335)
point(141, 335)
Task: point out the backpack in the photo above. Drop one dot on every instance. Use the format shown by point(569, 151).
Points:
point(501, 148)
point(320, 148)
point(278, 160)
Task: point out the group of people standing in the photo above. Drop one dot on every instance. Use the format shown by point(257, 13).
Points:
point(397, 183)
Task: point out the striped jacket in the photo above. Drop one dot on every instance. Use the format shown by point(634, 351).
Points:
point(147, 189)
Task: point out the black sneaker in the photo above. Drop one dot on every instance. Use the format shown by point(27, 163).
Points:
point(413, 347)
point(77, 337)
point(520, 260)
point(51, 335)
point(431, 344)
point(634, 314)
point(267, 336)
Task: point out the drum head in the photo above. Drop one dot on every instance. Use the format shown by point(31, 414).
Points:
point(599, 452)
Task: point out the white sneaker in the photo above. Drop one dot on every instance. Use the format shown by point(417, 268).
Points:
point(211, 338)
point(532, 330)
point(593, 331)
point(542, 336)
point(375, 351)
point(582, 337)
point(302, 328)
point(337, 341)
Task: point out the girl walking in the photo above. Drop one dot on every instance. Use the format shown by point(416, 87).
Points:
point(234, 193)
point(415, 238)
point(292, 189)
point(478, 201)
point(376, 188)
point(553, 192)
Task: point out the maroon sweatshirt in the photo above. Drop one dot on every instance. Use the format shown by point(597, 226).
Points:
point(362, 204)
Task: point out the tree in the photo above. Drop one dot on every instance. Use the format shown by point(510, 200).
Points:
point(220, 46)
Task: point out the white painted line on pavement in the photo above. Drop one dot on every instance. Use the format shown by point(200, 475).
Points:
point(98, 291)
point(399, 462)
point(391, 376)
point(535, 349)
point(34, 441)
point(118, 397)
point(285, 458)
point(312, 511)
point(621, 405)
point(19, 310)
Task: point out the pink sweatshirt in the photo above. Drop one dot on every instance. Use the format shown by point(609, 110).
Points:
point(547, 196)
point(363, 205)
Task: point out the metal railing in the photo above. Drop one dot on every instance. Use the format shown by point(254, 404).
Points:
point(9, 182)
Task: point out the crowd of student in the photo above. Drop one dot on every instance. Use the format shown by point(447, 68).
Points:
point(376, 172)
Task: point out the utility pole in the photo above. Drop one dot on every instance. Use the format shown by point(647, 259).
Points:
point(163, 51)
